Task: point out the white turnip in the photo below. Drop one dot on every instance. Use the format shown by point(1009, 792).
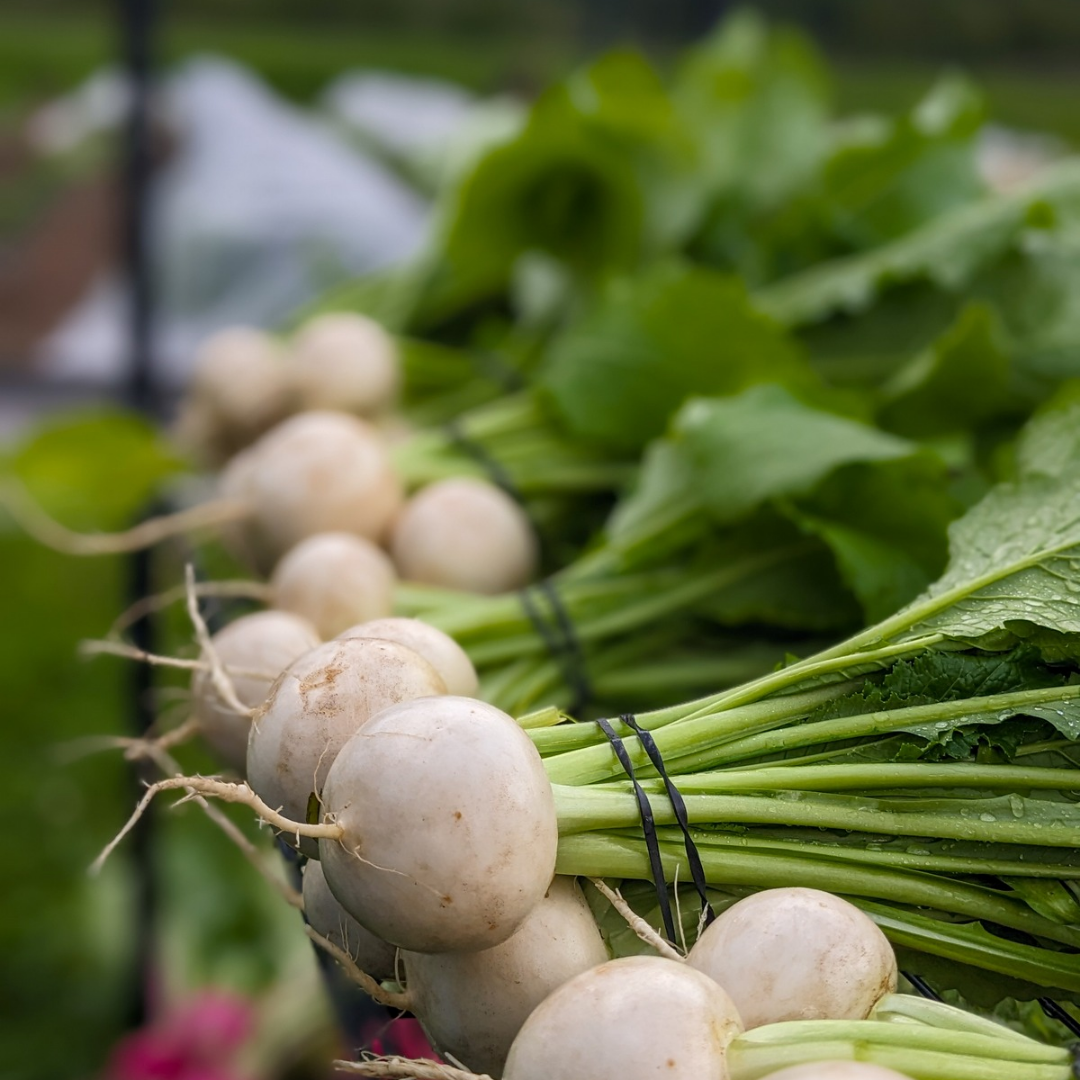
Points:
point(335, 580)
point(464, 534)
point(797, 954)
point(326, 916)
point(239, 388)
point(316, 472)
point(635, 1018)
point(472, 1005)
point(449, 827)
point(316, 706)
point(266, 642)
point(344, 361)
point(444, 654)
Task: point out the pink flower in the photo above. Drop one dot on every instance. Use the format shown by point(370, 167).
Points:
point(407, 1038)
point(195, 1042)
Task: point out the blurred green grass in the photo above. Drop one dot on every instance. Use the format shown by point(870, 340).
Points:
point(42, 57)
point(66, 958)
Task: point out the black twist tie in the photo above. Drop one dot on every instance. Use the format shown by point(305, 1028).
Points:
point(564, 645)
point(497, 472)
point(648, 826)
point(1056, 1012)
point(490, 365)
point(682, 818)
point(920, 984)
point(561, 640)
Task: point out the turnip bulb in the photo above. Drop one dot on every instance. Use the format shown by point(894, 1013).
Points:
point(316, 472)
point(327, 917)
point(836, 1070)
point(472, 1005)
point(464, 534)
point(444, 654)
point(239, 388)
point(345, 361)
point(449, 827)
point(316, 706)
point(797, 954)
point(266, 643)
point(635, 1018)
point(335, 580)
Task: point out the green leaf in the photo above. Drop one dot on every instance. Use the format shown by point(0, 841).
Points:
point(618, 374)
point(1049, 898)
point(965, 956)
point(936, 676)
point(804, 592)
point(910, 171)
point(1050, 445)
point(765, 443)
point(1015, 560)
point(885, 522)
point(563, 186)
point(757, 101)
point(882, 576)
point(96, 470)
point(962, 380)
point(947, 252)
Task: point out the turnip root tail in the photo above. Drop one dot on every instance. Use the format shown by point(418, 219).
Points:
point(218, 676)
point(107, 647)
point(400, 1001)
point(636, 923)
point(400, 1068)
point(238, 589)
point(229, 792)
point(49, 532)
point(254, 856)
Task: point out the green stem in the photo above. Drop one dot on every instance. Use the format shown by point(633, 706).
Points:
point(583, 809)
point(909, 1049)
point(881, 1033)
point(909, 1007)
point(886, 775)
point(608, 855)
point(971, 944)
point(868, 849)
point(570, 737)
point(886, 721)
point(712, 739)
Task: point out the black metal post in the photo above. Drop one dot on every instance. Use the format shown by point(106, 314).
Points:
point(139, 391)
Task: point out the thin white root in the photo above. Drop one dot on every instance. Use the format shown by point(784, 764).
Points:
point(636, 922)
point(134, 749)
point(250, 852)
point(218, 676)
point(49, 532)
point(106, 647)
point(152, 748)
point(97, 647)
point(399, 1001)
point(228, 792)
point(238, 590)
point(400, 1068)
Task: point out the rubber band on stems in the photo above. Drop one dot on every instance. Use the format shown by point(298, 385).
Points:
point(682, 818)
point(648, 826)
point(560, 639)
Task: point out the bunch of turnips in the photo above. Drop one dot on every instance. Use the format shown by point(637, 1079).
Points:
point(667, 666)
point(460, 862)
